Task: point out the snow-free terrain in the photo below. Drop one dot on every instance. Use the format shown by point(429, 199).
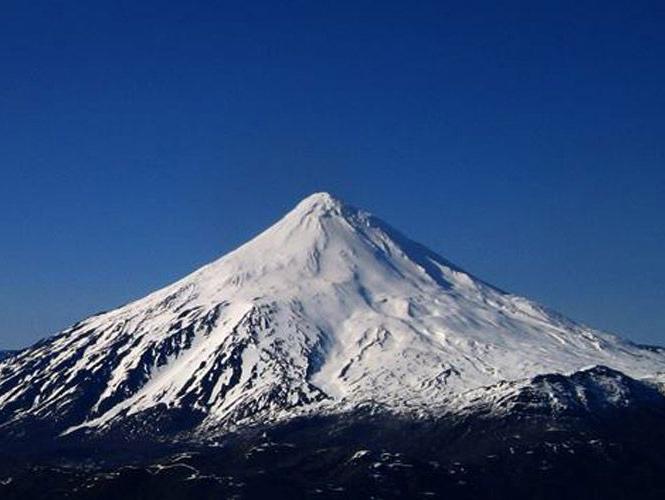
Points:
point(328, 310)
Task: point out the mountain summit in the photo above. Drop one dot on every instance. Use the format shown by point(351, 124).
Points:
point(327, 310)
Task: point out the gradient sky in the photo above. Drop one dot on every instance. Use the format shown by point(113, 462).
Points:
point(524, 141)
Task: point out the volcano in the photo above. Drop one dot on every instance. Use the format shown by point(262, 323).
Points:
point(331, 340)
point(327, 310)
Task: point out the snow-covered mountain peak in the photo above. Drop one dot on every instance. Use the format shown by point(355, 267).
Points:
point(322, 241)
point(328, 309)
point(310, 211)
point(320, 203)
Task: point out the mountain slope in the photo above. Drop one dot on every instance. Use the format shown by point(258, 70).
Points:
point(597, 391)
point(327, 310)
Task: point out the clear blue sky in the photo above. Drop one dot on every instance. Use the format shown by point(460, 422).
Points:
point(524, 141)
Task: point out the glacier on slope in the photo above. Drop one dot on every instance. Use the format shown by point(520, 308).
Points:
point(328, 309)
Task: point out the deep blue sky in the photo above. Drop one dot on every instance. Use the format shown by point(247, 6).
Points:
point(524, 141)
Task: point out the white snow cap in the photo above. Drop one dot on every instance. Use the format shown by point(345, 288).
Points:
point(322, 200)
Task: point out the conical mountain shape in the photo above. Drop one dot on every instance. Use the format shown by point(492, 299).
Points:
point(327, 310)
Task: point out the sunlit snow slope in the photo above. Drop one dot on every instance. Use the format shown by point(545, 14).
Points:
point(327, 309)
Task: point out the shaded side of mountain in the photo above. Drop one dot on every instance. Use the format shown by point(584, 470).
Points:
point(362, 455)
